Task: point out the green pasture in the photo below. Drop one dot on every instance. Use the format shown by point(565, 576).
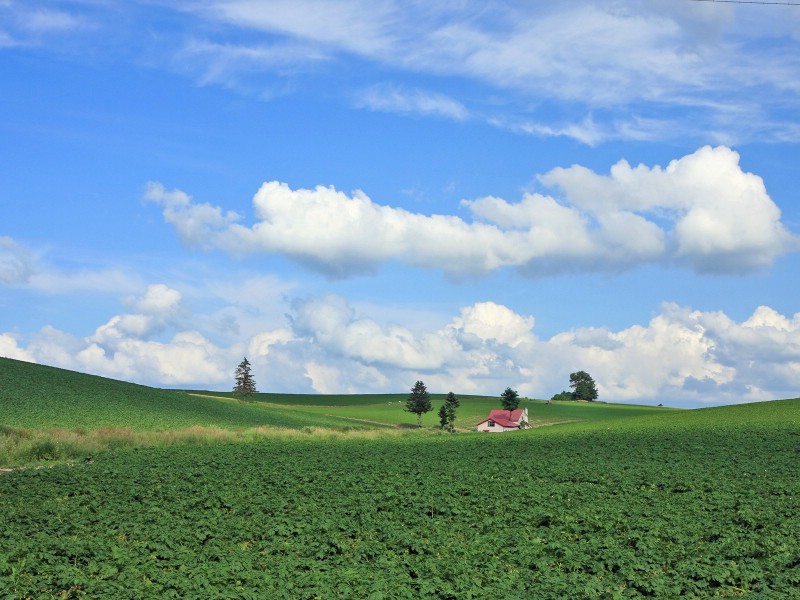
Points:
point(474, 409)
point(389, 408)
point(317, 400)
point(40, 397)
point(50, 414)
point(378, 408)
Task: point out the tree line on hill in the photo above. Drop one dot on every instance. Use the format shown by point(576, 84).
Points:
point(583, 388)
point(419, 401)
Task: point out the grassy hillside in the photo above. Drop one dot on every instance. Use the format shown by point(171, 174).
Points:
point(37, 397)
point(49, 414)
point(389, 408)
point(680, 504)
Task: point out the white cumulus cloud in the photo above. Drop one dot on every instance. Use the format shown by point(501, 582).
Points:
point(330, 321)
point(724, 219)
point(680, 356)
point(701, 210)
point(155, 311)
point(187, 358)
point(9, 348)
point(489, 321)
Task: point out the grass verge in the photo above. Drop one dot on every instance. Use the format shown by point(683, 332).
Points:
point(21, 448)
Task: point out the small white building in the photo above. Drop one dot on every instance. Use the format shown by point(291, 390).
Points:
point(504, 420)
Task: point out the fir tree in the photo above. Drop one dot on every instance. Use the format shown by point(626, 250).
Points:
point(245, 384)
point(419, 402)
point(450, 405)
point(510, 399)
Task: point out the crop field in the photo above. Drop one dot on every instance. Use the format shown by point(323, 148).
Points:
point(613, 501)
point(690, 504)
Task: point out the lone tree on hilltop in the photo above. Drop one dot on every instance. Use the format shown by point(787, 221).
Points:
point(245, 384)
point(447, 413)
point(583, 386)
point(509, 399)
point(419, 402)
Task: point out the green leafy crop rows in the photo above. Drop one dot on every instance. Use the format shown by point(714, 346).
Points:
point(689, 505)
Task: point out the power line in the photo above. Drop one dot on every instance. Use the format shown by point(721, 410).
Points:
point(749, 2)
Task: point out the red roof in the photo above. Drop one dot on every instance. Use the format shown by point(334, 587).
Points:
point(505, 418)
point(512, 415)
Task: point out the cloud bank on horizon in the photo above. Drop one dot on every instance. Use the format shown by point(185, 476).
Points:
point(328, 346)
point(357, 195)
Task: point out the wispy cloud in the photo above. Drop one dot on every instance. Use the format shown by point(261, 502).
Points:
point(364, 28)
point(659, 61)
point(644, 57)
point(28, 23)
point(16, 262)
point(587, 131)
point(389, 98)
point(233, 64)
point(44, 21)
point(21, 267)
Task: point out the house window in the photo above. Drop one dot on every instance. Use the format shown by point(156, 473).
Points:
point(491, 423)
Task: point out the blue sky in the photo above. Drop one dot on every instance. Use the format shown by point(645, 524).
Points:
point(357, 195)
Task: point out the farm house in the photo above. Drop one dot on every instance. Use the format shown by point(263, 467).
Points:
point(504, 420)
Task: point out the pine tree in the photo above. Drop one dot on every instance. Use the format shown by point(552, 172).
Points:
point(509, 399)
point(419, 402)
point(245, 384)
point(443, 416)
point(450, 405)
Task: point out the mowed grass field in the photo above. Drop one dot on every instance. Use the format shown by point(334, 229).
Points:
point(389, 408)
point(614, 501)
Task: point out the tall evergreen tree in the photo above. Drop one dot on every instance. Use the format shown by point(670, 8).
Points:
point(450, 405)
point(509, 399)
point(443, 418)
point(245, 384)
point(419, 402)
